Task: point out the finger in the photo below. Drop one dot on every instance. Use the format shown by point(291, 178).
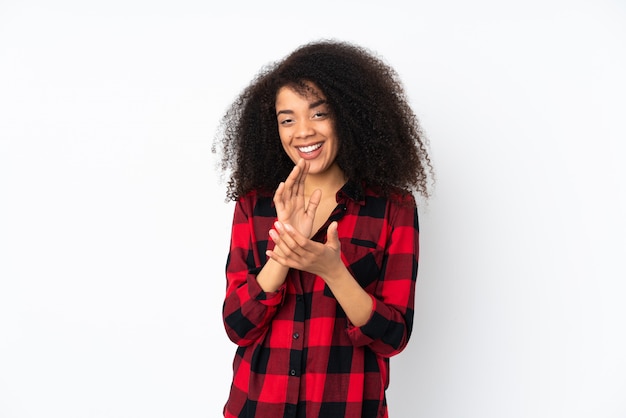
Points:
point(280, 244)
point(314, 202)
point(304, 170)
point(289, 234)
point(293, 180)
point(281, 238)
point(278, 196)
point(274, 256)
point(282, 260)
point(274, 236)
point(296, 242)
point(284, 238)
point(332, 236)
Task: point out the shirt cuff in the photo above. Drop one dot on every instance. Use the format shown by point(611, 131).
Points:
point(266, 298)
point(357, 335)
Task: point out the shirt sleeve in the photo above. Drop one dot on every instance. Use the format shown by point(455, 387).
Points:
point(389, 327)
point(247, 310)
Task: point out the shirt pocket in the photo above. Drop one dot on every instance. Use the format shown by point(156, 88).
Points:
point(364, 260)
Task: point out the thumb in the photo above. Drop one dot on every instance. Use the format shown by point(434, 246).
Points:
point(332, 237)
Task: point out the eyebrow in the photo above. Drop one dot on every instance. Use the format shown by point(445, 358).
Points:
point(311, 106)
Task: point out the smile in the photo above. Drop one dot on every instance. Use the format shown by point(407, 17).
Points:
point(310, 148)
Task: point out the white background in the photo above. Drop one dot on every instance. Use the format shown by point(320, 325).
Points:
point(114, 229)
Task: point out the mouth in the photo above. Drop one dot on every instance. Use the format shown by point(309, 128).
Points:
point(310, 148)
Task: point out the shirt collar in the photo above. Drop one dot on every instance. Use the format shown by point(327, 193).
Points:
point(351, 190)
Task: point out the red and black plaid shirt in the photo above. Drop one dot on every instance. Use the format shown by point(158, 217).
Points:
point(298, 354)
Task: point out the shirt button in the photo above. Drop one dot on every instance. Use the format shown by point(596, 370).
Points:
point(296, 335)
point(292, 372)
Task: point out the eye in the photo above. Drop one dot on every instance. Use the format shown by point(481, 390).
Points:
point(319, 115)
point(286, 121)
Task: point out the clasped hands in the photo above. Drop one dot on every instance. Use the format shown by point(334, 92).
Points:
point(294, 228)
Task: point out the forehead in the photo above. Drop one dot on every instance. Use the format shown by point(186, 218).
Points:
point(306, 91)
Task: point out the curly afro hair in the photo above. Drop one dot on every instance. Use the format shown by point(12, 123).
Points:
point(381, 143)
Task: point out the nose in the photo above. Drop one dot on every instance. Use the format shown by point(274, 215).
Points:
point(304, 129)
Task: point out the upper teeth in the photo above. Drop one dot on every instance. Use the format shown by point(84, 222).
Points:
point(310, 148)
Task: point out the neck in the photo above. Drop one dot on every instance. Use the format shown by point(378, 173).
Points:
point(330, 181)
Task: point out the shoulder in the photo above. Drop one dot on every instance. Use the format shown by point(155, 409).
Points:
point(398, 207)
point(395, 197)
point(256, 203)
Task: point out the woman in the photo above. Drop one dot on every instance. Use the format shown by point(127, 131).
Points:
point(325, 156)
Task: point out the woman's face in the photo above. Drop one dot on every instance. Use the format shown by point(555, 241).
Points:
point(306, 127)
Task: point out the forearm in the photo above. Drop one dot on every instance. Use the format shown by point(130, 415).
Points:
point(355, 302)
point(272, 276)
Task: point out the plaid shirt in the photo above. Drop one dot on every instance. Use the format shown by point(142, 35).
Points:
point(298, 355)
